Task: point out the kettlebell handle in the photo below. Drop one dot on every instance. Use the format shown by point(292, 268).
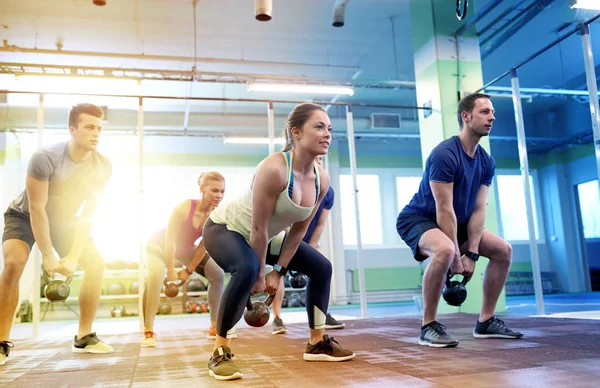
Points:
point(267, 301)
point(49, 279)
point(177, 282)
point(450, 276)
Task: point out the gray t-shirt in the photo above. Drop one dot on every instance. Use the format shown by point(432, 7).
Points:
point(70, 183)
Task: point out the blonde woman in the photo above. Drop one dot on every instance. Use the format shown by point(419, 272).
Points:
point(177, 242)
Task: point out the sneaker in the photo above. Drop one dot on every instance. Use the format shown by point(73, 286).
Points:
point(211, 333)
point(5, 351)
point(278, 326)
point(327, 350)
point(332, 323)
point(494, 328)
point(221, 367)
point(434, 334)
point(149, 340)
point(90, 344)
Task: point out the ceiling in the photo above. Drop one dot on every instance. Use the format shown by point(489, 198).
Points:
point(372, 50)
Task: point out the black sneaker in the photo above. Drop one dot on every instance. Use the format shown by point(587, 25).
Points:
point(327, 349)
point(434, 334)
point(494, 328)
point(221, 367)
point(5, 350)
point(332, 323)
point(278, 326)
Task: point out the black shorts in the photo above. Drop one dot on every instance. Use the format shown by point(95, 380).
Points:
point(17, 226)
point(411, 226)
point(156, 251)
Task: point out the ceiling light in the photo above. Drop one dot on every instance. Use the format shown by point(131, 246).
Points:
point(585, 4)
point(300, 88)
point(251, 140)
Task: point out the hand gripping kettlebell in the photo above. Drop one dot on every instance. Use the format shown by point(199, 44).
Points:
point(56, 289)
point(454, 292)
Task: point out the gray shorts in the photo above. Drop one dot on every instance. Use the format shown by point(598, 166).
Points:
point(17, 226)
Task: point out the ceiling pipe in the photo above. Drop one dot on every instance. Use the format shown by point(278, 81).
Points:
point(478, 16)
point(540, 5)
point(339, 9)
point(17, 49)
point(263, 10)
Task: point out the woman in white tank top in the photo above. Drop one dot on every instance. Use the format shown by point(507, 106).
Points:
point(286, 191)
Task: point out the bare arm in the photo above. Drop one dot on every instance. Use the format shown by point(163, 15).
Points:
point(176, 219)
point(316, 236)
point(269, 181)
point(445, 216)
point(475, 225)
point(198, 256)
point(37, 193)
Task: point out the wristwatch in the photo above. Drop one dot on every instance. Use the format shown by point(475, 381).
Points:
point(472, 256)
point(280, 269)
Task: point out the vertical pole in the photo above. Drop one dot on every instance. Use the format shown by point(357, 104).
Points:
point(359, 250)
point(535, 260)
point(37, 255)
point(330, 250)
point(590, 75)
point(271, 123)
point(141, 261)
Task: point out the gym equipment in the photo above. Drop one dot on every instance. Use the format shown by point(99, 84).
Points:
point(56, 290)
point(192, 307)
point(286, 281)
point(295, 300)
point(172, 287)
point(118, 311)
point(116, 289)
point(164, 309)
point(195, 285)
point(298, 280)
point(257, 314)
point(285, 301)
point(303, 299)
point(133, 289)
point(454, 292)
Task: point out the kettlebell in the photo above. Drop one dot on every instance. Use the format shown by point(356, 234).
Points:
point(298, 280)
point(454, 292)
point(117, 311)
point(172, 287)
point(57, 290)
point(257, 314)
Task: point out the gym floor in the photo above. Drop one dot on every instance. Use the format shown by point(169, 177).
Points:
point(556, 351)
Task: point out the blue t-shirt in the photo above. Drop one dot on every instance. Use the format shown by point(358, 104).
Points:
point(448, 162)
point(326, 203)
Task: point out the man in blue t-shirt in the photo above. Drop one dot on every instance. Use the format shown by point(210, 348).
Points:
point(312, 237)
point(444, 221)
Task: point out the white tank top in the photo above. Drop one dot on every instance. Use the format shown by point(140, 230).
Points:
point(237, 214)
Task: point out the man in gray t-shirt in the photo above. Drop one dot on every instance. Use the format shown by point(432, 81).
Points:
point(63, 186)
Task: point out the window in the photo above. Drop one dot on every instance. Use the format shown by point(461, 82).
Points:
point(369, 206)
point(406, 188)
point(589, 204)
point(513, 212)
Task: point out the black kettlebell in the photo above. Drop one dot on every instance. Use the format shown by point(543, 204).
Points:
point(57, 290)
point(454, 292)
point(172, 287)
point(257, 314)
point(298, 280)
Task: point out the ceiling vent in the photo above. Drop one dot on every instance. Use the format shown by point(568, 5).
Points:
point(385, 121)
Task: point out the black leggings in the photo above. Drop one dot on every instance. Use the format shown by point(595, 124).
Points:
point(233, 253)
